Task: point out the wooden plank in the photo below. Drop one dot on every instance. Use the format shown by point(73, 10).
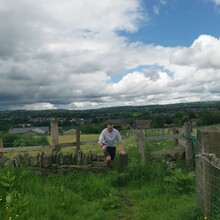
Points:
point(77, 140)
point(161, 137)
point(88, 142)
point(176, 151)
point(41, 148)
point(1, 146)
point(69, 144)
point(188, 144)
point(175, 140)
point(141, 149)
point(54, 131)
point(23, 149)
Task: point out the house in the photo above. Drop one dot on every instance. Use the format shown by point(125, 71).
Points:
point(70, 132)
point(119, 123)
point(141, 124)
point(30, 131)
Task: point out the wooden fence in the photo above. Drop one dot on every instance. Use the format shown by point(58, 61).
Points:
point(208, 172)
point(186, 134)
point(55, 143)
point(56, 161)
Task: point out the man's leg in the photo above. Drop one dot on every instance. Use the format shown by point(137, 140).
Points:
point(111, 151)
point(107, 156)
point(109, 161)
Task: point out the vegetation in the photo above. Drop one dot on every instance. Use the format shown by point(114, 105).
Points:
point(92, 121)
point(138, 193)
point(12, 140)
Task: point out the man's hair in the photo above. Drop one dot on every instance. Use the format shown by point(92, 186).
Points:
point(110, 123)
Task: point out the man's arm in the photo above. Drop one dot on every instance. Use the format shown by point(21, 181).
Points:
point(101, 140)
point(122, 151)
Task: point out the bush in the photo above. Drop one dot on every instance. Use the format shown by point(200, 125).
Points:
point(13, 140)
point(8, 139)
point(30, 141)
point(182, 182)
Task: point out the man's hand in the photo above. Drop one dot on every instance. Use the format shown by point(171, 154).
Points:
point(103, 147)
point(122, 152)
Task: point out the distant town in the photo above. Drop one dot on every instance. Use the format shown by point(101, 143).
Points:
point(93, 120)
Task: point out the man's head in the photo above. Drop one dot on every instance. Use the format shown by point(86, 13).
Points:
point(110, 126)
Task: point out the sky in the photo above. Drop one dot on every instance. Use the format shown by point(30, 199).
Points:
point(85, 54)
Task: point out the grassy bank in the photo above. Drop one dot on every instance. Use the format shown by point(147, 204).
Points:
point(139, 193)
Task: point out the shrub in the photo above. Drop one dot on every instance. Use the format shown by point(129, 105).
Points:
point(182, 182)
point(30, 141)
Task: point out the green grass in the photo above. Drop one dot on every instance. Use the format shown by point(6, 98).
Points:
point(138, 193)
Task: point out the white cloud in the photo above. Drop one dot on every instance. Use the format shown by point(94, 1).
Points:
point(157, 7)
point(217, 2)
point(67, 55)
point(35, 106)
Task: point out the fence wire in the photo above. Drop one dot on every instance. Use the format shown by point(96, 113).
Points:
point(208, 183)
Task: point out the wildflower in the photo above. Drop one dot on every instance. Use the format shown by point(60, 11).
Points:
point(205, 218)
point(17, 216)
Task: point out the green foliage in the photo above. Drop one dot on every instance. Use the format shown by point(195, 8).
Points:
point(209, 117)
point(13, 140)
point(158, 122)
point(182, 182)
point(30, 141)
point(8, 139)
point(13, 200)
point(158, 145)
point(111, 201)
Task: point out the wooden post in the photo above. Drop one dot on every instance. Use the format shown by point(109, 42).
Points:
point(188, 144)
point(54, 134)
point(122, 162)
point(77, 139)
point(1, 147)
point(209, 143)
point(175, 140)
point(141, 149)
point(207, 188)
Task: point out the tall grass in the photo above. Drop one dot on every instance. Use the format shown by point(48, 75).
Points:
point(138, 193)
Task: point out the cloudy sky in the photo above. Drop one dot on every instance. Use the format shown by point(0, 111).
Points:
point(80, 54)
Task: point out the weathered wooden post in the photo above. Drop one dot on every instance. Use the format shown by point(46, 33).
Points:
point(175, 140)
point(1, 147)
point(209, 141)
point(122, 162)
point(54, 134)
point(141, 148)
point(77, 139)
point(188, 144)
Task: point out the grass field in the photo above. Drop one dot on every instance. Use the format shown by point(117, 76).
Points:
point(138, 193)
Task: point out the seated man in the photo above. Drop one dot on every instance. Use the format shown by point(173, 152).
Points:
point(107, 141)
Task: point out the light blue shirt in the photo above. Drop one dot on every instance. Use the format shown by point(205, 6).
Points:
point(109, 138)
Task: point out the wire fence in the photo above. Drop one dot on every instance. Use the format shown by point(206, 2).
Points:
point(207, 182)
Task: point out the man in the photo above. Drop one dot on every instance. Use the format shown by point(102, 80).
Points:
point(107, 141)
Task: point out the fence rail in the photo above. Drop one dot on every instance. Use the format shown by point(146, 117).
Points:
point(42, 148)
point(55, 143)
point(161, 137)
